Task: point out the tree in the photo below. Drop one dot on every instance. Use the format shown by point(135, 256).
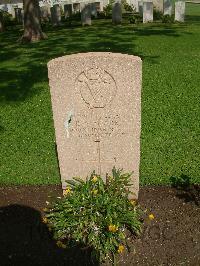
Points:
point(1, 22)
point(32, 27)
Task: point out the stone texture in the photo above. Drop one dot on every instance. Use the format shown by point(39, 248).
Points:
point(147, 12)
point(55, 15)
point(180, 11)
point(96, 101)
point(86, 14)
point(117, 13)
point(68, 10)
point(167, 7)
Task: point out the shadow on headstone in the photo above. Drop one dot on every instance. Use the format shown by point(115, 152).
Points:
point(26, 240)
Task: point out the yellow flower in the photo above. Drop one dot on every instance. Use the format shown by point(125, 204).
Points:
point(66, 191)
point(151, 216)
point(112, 228)
point(60, 244)
point(44, 219)
point(133, 202)
point(120, 249)
point(94, 179)
point(94, 191)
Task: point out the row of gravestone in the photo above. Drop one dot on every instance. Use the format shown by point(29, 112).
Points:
point(146, 10)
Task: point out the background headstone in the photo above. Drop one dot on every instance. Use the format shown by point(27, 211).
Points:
point(55, 15)
point(180, 11)
point(86, 14)
point(68, 10)
point(45, 13)
point(18, 15)
point(167, 7)
point(76, 7)
point(140, 7)
point(93, 10)
point(117, 13)
point(96, 101)
point(147, 12)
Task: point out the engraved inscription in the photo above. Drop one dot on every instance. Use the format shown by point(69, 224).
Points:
point(97, 87)
point(97, 128)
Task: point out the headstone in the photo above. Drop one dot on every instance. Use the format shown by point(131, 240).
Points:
point(86, 14)
point(93, 10)
point(147, 12)
point(167, 7)
point(158, 5)
point(68, 10)
point(140, 7)
point(18, 15)
point(76, 7)
point(96, 101)
point(45, 13)
point(117, 13)
point(55, 15)
point(101, 5)
point(180, 11)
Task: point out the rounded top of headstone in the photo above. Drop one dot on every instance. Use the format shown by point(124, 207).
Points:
point(94, 55)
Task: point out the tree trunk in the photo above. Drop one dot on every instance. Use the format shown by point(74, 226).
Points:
point(1, 22)
point(32, 27)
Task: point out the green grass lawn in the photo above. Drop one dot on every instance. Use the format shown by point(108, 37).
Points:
point(170, 97)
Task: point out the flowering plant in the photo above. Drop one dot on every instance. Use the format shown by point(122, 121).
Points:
point(96, 213)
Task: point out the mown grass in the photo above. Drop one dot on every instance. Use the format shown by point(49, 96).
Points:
point(170, 97)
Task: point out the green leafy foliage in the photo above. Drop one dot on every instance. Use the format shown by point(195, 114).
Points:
point(168, 19)
point(95, 213)
point(157, 15)
point(182, 181)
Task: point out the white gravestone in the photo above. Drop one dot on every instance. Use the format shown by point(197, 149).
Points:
point(180, 11)
point(167, 7)
point(147, 12)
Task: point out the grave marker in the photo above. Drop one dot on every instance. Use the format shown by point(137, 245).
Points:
point(68, 10)
point(117, 13)
point(167, 7)
point(86, 14)
point(147, 12)
point(55, 15)
point(96, 101)
point(180, 11)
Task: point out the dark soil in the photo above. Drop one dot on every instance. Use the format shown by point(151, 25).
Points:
point(172, 238)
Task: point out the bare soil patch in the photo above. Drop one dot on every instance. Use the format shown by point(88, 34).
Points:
point(172, 238)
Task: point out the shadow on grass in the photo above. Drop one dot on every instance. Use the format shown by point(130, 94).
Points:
point(185, 189)
point(26, 240)
point(24, 66)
